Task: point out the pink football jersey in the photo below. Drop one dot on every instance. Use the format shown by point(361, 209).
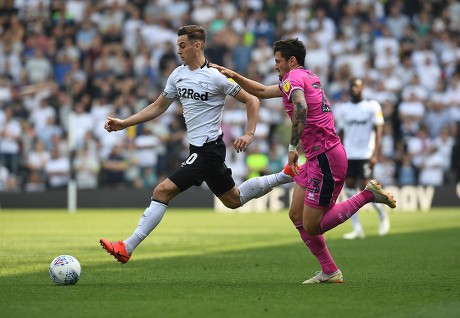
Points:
point(319, 134)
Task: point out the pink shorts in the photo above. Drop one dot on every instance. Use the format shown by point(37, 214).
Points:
point(323, 177)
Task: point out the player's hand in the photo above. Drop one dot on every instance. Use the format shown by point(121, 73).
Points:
point(242, 143)
point(225, 71)
point(293, 157)
point(114, 124)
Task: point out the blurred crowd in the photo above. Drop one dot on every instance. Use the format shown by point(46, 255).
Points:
point(67, 65)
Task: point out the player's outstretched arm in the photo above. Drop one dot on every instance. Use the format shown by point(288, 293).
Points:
point(150, 112)
point(252, 109)
point(299, 120)
point(250, 86)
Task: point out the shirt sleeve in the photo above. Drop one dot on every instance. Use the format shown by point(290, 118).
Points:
point(170, 90)
point(378, 119)
point(226, 85)
point(292, 83)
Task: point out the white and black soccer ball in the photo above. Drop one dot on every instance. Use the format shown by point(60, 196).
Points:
point(64, 270)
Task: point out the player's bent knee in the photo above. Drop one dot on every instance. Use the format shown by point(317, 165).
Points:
point(165, 191)
point(231, 199)
point(231, 204)
point(159, 191)
point(295, 216)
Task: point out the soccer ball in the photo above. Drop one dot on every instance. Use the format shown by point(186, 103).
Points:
point(64, 270)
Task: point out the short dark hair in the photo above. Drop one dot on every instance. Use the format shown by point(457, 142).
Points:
point(193, 32)
point(291, 47)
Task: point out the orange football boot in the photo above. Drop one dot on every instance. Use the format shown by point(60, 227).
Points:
point(117, 249)
point(288, 170)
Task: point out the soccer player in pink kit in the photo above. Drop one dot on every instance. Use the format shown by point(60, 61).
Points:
point(320, 180)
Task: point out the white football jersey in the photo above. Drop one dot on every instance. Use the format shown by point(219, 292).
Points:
point(357, 122)
point(202, 93)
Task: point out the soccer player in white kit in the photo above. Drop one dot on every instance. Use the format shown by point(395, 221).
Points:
point(202, 92)
point(359, 123)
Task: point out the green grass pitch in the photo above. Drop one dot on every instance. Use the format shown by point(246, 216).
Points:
point(203, 264)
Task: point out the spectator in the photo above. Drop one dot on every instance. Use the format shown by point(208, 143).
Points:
point(35, 182)
point(8, 181)
point(386, 50)
point(262, 56)
point(429, 74)
point(87, 168)
point(257, 162)
point(423, 52)
point(432, 168)
point(57, 170)
point(146, 149)
point(453, 9)
point(46, 133)
point(450, 53)
point(444, 143)
point(147, 179)
point(10, 135)
point(407, 172)
point(69, 49)
point(4, 174)
point(169, 57)
point(37, 159)
point(318, 60)
point(40, 115)
point(423, 22)
point(437, 117)
point(276, 160)
point(397, 20)
point(38, 67)
point(85, 36)
point(83, 124)
point(322, 27)
point(10, 63)
point(113, 169)
point(452, 96)
point(241, 56)
point(385, 171)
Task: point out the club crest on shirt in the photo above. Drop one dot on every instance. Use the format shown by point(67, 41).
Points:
point(203, 84)
point(286, 85)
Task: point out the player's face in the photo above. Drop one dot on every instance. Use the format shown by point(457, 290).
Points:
point(356, 88)
point(186, 49)
point(281, 65)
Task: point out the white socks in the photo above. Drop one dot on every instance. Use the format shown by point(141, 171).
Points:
point(380, 210)
point(149, 220)
point(259, 186)
point(250, 189)
point(357, 227)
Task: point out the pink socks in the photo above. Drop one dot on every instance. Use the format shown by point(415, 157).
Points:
point(317, 246)
point(336, 215)
point(342, 211)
